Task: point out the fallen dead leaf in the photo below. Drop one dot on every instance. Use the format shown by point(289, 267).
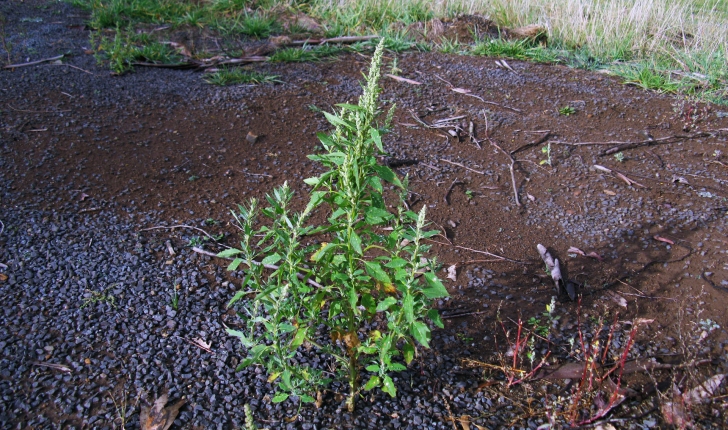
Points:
point(575, 250)
point(3, 277)
point(401, 79)
point(159, 417)
point(616, 298)
point(452, 273)
point(594, 255)
point(610, 193)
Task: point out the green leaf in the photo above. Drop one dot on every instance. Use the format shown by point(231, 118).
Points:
point(227, 253)
point(271, 259)
point(397, 367)
point(373, 382)
point(312, 181)
point(280, 397)
point(234, 264)
point(377, 138)
point(373, 368)
point(435, 318)
point(408, 350)
point(375, 183)
point(353, 108)
point(286, 327)
point(355, 242)
point(388, 386)
point(421, 333)
point(436, 290)
point(396, 263)
point(336, 120)
point(353, 299)
point(376, 215)
point(240, 335)
point(368, 302)
point(307, 399)
point(299, 337)
point(385, 304)
point(387, 174)
point(408, 305)
point(375, 270)
point(236, 297)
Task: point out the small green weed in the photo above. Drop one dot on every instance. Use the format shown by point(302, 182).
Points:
point(95, 297)
point(567, 111)
point(174, 300)
point(619, 157)
point(648, 77)
point(340, 284)
point(293, 55)
point(195, 241)
point(449, 46)
point(469, 194)
point(256, 26)
point(228, 76)
point(546, 150)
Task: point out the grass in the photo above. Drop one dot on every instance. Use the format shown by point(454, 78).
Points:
point(225, 77)
point(670, 46)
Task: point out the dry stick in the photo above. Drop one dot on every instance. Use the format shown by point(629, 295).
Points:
point(513, 161)
point(172, 227)
point(460, 165)
point(60, 367)
point(255, 174)
point(447, 194)
point(342, 39)
point(257, 263)
point(452, 418)
point(32, 63)
point(461, 315)
point(74, 67)
point(541, 140)
point(478, 97)
point(477, 251)
point(621, 146)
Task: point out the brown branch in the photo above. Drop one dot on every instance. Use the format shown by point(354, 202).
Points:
point(513, 160)
point(32, 63)
point(541, 140)
point(342, 39)
point(447, 193)
point(622, 146)
point(477, 251)
point(460, 165)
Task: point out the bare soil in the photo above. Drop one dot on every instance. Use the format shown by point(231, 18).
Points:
point(164, 143)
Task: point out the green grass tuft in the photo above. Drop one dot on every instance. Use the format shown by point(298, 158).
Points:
point(237, 76)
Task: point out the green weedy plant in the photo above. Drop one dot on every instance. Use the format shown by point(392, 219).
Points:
point(361, 298)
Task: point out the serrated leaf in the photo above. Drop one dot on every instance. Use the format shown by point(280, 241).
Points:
point(385, 304)
point(375, 270)
point(435, 318)
point(408, 351)
point(355, 242)
point(312, 181)
point(280, 397)
point(234, 264)
point(397, 367)
point(227, 253)
point(388, 386)
point(408, 305)
point(436, 290)
point(236, 297)
point(373, 382)
point(421, 333)
point(387, 174)
point(271, 259)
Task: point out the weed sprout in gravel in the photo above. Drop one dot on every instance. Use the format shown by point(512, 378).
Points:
point(362, 295)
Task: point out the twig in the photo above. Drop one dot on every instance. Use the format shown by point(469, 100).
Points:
point(431, 166)
point(83, 211)
point(461, 315)
point(513, 161)
point(2, 227)
point(447, 193)
point(460, 165)
point(257, 263)
point(255, 174)
point(62, 368)
point(480, 252)
point(172, 227)
point(452, 87)
point(74, 67)
point(621, 176)
point(622, 146)
point(541, 140)
point(32, 63)
point(342, 39)
point(452, 418)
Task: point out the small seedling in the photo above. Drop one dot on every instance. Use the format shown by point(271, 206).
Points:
point(237, 76)
point(193, 178)
point(211, 221)
point(469, 194)
point(195, 241)
point(99, 296)
point(547, 151)
point(174, 302)
point(567, 110)
point(619, 156)
point(535, 323)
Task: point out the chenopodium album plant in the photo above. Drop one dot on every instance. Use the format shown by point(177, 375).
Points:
point(364, 296)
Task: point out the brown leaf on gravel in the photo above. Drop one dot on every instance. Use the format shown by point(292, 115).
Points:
point(452, 273)
point(3, 277)
point(575, 250)
point(594, 255)
point(159, 417)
